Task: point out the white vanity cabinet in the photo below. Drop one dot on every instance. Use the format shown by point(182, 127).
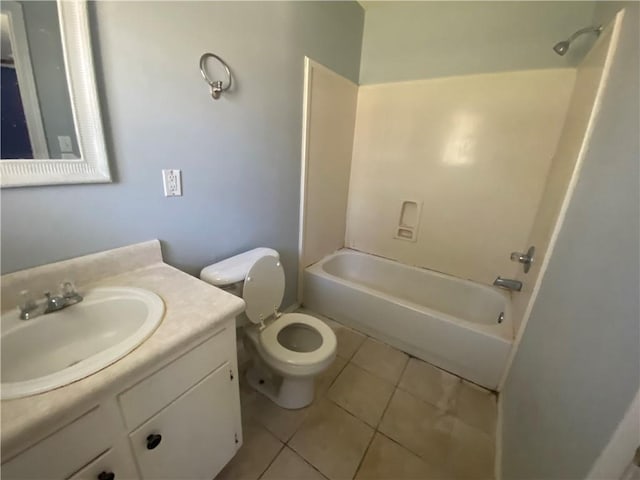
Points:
point(194, 437)
point(115, 463)
point(184, 419)
point(65, 451)
point(180, 421)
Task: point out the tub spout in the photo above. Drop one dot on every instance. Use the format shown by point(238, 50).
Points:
point(508, 283)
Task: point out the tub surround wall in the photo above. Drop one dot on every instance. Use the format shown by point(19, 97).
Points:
point(417, 40)
point(564, 166)
point(328, 142)
point(475, 150)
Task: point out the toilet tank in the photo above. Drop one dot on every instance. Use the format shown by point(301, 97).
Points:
point(232, 270)
point(229, 274)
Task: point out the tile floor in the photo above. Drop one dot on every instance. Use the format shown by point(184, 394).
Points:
point(378, 414)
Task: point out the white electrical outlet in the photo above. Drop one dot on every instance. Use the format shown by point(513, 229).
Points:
point(65, 144)
point(172, 182)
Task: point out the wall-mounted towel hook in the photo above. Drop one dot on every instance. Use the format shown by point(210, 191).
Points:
point(217, 86)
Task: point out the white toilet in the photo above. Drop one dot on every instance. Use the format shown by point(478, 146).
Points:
point(288, 350)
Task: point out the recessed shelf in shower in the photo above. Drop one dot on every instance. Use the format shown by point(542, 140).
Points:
point(408, 220)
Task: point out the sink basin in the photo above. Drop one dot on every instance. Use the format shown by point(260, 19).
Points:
point(58, 348)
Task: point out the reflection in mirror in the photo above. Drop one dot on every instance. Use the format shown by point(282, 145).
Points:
point(37, 118)
point(51, 123)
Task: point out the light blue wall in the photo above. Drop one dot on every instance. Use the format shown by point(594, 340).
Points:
point(413, 40)
point(578, 365)
point(239, 156)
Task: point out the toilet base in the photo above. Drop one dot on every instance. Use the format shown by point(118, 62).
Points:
point(287, 392)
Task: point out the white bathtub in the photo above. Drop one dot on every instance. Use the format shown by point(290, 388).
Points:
point(443, 320)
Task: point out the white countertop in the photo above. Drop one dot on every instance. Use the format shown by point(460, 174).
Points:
point(192, 309)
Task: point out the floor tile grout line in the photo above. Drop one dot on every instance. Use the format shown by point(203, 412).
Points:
point(404, 369)
point(395, 386)
point(336, 377)
point(398, 442)
point(295, 452)
point(366, 337)
point(404, 447)
point(364, 454)
point(452, 411)
point(396, 382)
point(323, 395)
point(351, 414)
point(343, 408)
point(373, 427)
point(309, 463)
point(355, 365)
point(386, 407)
point(306, 461)
point(282, 447)
point(375, 374)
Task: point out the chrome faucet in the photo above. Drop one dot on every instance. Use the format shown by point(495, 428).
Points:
point(30, 308)
point(508, 283)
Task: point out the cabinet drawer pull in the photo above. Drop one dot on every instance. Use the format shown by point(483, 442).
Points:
point(153, 441)
point(106, 476)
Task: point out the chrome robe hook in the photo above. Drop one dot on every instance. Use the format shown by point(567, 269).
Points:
point(216, 86)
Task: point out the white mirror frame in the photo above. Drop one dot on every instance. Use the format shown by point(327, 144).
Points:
point(93, 166)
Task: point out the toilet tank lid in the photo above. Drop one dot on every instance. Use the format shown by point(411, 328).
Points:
point(234, 269)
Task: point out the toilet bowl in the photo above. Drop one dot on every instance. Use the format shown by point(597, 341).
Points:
point(288, 350)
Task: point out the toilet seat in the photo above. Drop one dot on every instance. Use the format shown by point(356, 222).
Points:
point(285, 361)
point(272, 346)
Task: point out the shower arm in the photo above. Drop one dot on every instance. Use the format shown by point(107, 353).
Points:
point(597, 30)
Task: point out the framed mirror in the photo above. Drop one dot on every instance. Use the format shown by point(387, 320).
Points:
point(51, 123)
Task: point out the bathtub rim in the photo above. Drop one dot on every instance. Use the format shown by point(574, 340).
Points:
point(503, 331)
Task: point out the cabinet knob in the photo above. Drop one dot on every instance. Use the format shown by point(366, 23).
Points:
point(153, 441)
point(106, 476)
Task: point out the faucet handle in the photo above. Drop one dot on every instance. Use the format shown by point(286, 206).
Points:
point(26, 301)
point(69, 293)
point(519, 257)
point(68, 289)
point(525, 258)
point(48, 299)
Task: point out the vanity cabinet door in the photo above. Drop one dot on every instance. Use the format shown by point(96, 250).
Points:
point(116, 464)
point(193, 437)
point(63, 452)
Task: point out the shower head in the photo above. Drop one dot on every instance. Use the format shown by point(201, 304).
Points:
point(562, 47)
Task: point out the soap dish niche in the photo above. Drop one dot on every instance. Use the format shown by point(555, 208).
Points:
point(408, 220)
